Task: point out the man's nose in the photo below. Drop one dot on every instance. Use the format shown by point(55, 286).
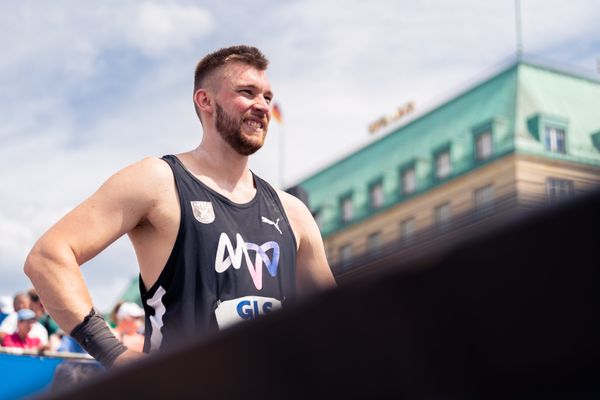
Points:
point(262, 105)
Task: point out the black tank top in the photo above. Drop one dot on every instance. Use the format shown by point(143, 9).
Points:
point(230, 262)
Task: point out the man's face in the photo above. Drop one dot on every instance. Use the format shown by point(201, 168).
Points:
point(230, 129)
point(21, 302)
point(24, 327)
point(242, 107)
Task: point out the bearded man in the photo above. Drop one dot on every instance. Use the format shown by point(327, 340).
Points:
point(215, 243)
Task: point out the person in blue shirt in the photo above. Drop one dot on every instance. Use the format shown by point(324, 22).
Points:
point(6, 307)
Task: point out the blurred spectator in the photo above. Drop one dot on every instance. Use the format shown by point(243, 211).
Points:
point(40, 312)
point(21, 338)
point(67, 343)
point(6, 307)
point(113, 314)
point(130, 326)
point(22, 301)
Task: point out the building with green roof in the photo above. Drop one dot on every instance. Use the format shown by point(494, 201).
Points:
point(528, 135)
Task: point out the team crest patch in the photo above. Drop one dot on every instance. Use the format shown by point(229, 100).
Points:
point(203, 211)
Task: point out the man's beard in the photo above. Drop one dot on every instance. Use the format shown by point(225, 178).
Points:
point(231, 131)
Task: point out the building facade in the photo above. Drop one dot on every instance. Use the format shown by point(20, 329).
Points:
point(527, 136)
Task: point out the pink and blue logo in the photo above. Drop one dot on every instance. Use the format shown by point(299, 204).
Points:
point(234, 257)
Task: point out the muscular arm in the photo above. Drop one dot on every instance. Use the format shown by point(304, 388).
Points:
point(312, 269)
point(53, 263)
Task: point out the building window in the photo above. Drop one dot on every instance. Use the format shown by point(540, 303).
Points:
point(484, 200)
point(596, 140)
point(347, 210)
point(443, 215)
point(374, 243)
point(443, 166)
point(346, 255)
point(376, 194)
point(550, 130)
point(408, 180)
point(555, 139)
point(559, 189)
point(483, 146)
point(407, 229)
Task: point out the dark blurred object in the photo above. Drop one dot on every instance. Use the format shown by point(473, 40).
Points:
point(73, 373)
point(510, 314)
point(300, 193)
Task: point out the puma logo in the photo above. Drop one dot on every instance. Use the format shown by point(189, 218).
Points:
point(275, 224)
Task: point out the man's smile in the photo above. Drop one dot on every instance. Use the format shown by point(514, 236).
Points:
point(254, 124)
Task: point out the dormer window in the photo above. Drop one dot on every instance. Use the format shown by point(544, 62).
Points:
point(555, 139)
point(376, 195)
point(443, 167)
point(347, 209)
point(483, 146)
point(408, 180)
point(551, 130)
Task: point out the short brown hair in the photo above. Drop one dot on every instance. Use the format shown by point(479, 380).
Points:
point(246, 54)
point(211, 62)
point(33, 296)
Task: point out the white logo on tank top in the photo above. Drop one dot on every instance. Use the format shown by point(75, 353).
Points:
point(156, 320)
point(203, 211)
point(275, 224)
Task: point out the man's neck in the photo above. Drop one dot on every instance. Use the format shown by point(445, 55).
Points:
point(225, 166)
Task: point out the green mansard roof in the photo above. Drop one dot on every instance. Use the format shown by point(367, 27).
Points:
point(514, 104)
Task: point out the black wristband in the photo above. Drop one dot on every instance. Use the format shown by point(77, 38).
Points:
point(94, 335)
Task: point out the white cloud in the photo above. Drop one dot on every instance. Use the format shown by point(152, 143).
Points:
point(156, 27)
point(551, 22)
point(16, 239)
point(51, 32)
point(353, 61)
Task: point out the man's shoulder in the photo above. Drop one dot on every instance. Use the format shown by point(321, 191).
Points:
point(298, 213)
point(150, 167)
point(291, 201)
point(148, 175)
point(137, 186)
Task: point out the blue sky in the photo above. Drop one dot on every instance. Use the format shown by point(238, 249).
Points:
point(88, 89)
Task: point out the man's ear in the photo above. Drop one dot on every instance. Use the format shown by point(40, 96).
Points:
point(203, 100)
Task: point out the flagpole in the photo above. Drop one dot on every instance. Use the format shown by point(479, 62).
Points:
point(276, 113)
point(281, 156)
point(518, 28)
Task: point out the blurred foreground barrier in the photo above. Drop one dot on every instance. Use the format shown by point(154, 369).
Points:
point(26, 372)
point(512, 313)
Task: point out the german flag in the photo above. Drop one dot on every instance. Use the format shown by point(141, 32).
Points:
point(276, 113)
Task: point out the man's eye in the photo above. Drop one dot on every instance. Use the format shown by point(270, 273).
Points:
point(268, 100)
point(246, 91)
